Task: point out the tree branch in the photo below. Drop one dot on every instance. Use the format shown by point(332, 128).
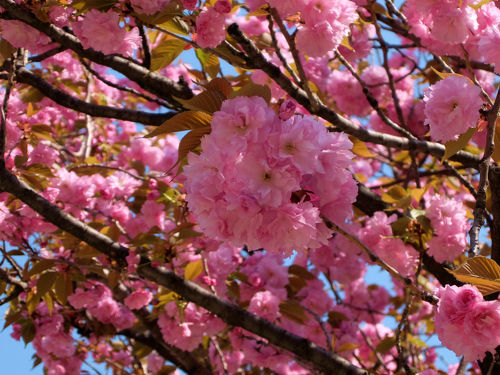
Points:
point(154, 82)
point(256, 60)
point(60, 97)
point(484, 166)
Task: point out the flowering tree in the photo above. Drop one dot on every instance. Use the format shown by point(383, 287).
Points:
point(337, 136)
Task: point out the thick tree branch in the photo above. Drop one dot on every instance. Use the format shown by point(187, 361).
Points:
point(494, 179)
point(154, 82)
point(23, 75)
point(256, 60)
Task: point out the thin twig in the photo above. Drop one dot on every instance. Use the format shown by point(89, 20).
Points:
point(88, 137)
point(322, 326)
point(145, 45)
point(392, 8)
point(402, 355)
point(461, 178)
point(371, 99)
point(313, 99)
point(220, 354)
point(79, 166)
point(278, 50)
point(124, 88)
point(392, 271)
point(4, 110)
point(387, 69)
point(373, 349)
point(474, 78)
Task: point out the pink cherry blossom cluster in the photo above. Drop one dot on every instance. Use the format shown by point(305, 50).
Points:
point(265, 182)
point(465, 323)
point(451, 107)
point(54, 344)
point(324, 23)
point(186, 331)
point(148, 7)
point(102, 32)
point(450, 225)
point(98, 300)
point(378, 237)
point(445, 27)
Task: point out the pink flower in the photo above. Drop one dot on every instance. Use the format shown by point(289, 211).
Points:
point(241, 187)
point(482, 329)
point(455, 302)
point(21, 35)
point(317, 39)
point(287, 109)
point(102, 32)
point(223, 6)
point(155, 362)
point(148, 6)
point(265, 304)
point(451, 107)
point(138, 299)
point(465, 323)
point(488, 47)
point(450, 225)
point(189, 4)
point(210, 28)
point(377, 235)
point(326, 24)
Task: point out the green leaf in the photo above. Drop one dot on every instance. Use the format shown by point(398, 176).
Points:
point(188, 120)
point(416, 341)
point(208, 101)
point(335, 318)
point(452, 147)
point(84, 5)
point(141, 350)
point(6, 49)
point(394, 194)
point(166, 52)
point(39, 169)
point(49, 302)
point(11, 317)
point(482, 272)
point(385, 345)
point(293, 311)
point(496, 142)
point(301, 272)
point(193, 270)
point(176, 25)
point(480, 4)
point(41, 266)
point(63, 288)
point(252, 89)
point(34, 180)
point(346, 347)
point(42, 131)
point(45, 282)
point(89, 170)
point(28, 331)
point(209, 62)
point(220, 84)
point(359, 148)
point(191, 141)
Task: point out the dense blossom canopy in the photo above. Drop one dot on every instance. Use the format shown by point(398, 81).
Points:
point(209, 187)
